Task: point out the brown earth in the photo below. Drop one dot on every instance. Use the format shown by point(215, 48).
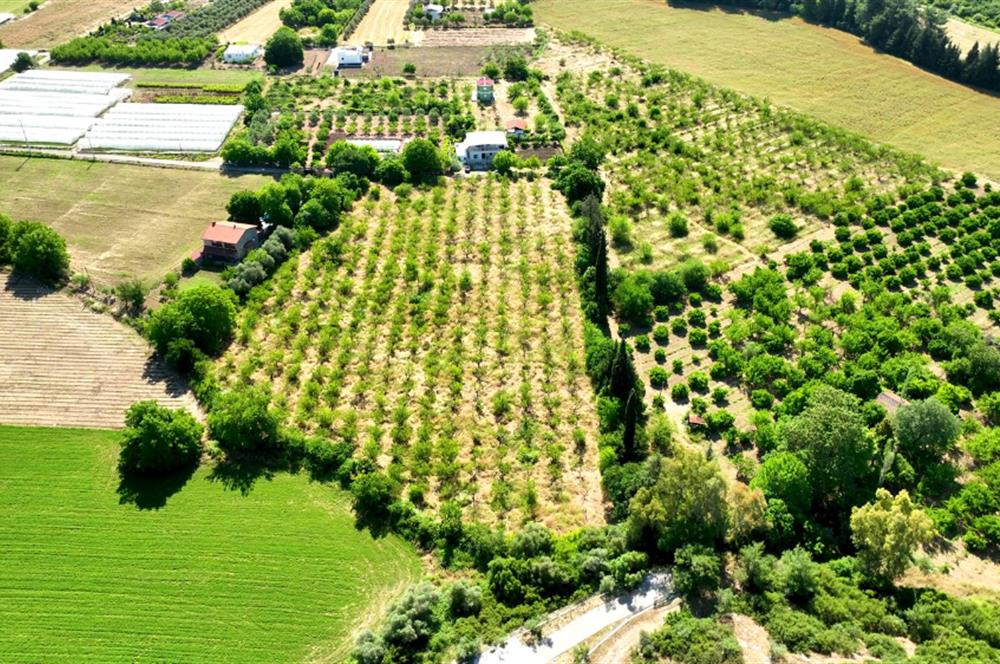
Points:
point(58, 21)
point(384, 21)
point(63, 365)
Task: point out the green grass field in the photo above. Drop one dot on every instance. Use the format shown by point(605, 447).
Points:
point(119, 220)
point(277, 575)
point(13, 6)
point(824, 72)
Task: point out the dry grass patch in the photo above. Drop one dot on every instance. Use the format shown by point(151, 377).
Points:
point(119, 220)
point(58, 21)
point(62, 365)
point(258, 27)
point(384, 21)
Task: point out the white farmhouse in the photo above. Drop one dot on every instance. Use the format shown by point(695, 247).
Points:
point(344, 57)
point(239, 54)
point(433, 11)
point(476, 152)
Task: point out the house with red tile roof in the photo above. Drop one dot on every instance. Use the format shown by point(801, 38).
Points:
point(228, 241)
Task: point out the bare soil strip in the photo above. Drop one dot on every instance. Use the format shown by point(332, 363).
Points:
point(63, 365)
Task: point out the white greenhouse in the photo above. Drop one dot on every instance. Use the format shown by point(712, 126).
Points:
point(162, 128)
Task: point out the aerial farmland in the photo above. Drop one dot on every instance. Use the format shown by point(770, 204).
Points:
point(380, 332)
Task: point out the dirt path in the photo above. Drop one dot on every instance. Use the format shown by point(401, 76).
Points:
point(383, 21)
point(63, 365)
point(258, 26)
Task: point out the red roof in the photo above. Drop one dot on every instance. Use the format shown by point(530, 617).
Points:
point(158, 22)
point(227, 232)
point(174, 14)
point(695, 420)
point(485, 81)
point(518, 123)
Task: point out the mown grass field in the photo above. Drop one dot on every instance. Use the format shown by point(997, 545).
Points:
point(118, 220)
point(175, 76)
point(13, 6)
point(277, 575)
point(824, 72)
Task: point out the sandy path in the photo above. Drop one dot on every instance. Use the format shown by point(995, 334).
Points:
point(258, 26)
point(383, 21)
point(63, 365)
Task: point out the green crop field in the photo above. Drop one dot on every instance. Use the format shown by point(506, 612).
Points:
point(178, 76)
point(119, 220)
point(824, 72)
point(277, 575)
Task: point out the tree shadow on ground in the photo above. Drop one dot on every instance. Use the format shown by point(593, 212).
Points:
point(241, 474)
point(157, 372)
point(150, 492)
point(24, 287)
point(729, 8)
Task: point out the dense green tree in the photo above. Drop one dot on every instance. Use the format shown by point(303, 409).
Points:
point(697, 570)
point(686, 504)
point(783, 475)
point(831, 438)
point(926, 431)
point(38, 251)
point(344, 157)
point(421, 159)
point(205, 315)
point(887, 532)
point(242, 421)
point(158, 440)
point(284, 48)
point(244, 206)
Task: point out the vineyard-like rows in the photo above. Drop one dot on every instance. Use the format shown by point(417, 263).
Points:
point(442, 336)
point(724, 161)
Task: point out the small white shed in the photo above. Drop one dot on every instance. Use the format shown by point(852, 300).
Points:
point(433, 11)
point(5, 17)
point(238, 54)
point(344, 57)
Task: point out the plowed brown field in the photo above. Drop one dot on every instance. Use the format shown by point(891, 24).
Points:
point(63, 365)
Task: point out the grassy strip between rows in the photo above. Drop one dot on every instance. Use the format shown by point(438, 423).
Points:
point(276, 573)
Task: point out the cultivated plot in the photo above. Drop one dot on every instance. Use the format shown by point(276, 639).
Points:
point(257, 27)
point(61, 364)
point(824, 72)
point(443, 338)
point(200, 573)
point(384, 21)
point(57, 21)
point(119, 221)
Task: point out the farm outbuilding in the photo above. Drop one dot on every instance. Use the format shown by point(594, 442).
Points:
point(476, 152)
point(433, 11)
point(517, 126)
point(384, 146)
point(344, 57)
point(6, 17)
point(484, 90)
point(237, 54)
point(228, 241)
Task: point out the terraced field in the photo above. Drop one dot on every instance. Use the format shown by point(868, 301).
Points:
point(63, 365)
point(277, 575)
point(442, 337)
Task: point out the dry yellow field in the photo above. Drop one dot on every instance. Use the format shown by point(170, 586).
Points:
point(62, 365)
point(965, 34)
point(118, 220)
point(58, 21)
point(823, 72)
point(384, 21)
point(258, 26)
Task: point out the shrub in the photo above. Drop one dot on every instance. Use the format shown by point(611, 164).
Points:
point(421, 159)
point(38, 251)
point(783, 226)
point(678, 225)
point(658, 377)
point(697, 570)
point(684, 638)
point(158, 440)
point(679, 393)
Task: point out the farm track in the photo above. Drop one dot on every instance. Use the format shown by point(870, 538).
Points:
point(62, 365)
